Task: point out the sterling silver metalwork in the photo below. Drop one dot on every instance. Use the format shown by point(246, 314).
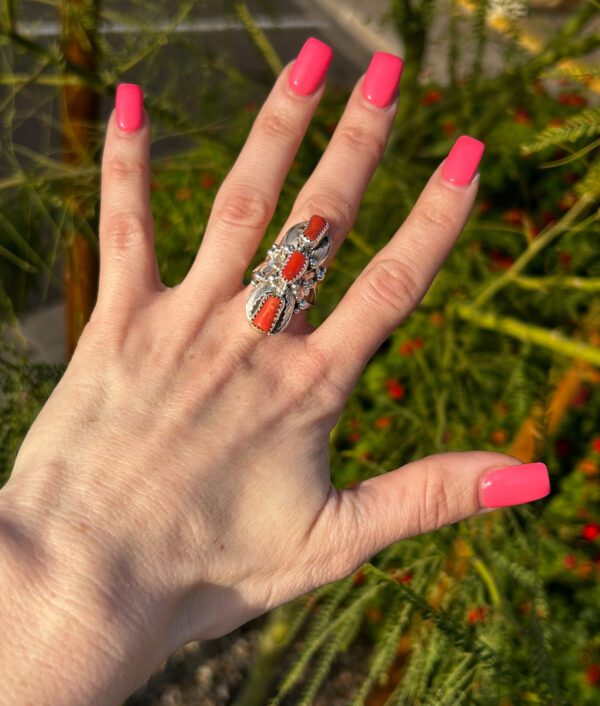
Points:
point(285, 283)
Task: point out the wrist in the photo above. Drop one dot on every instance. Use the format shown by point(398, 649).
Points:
point(77, 626)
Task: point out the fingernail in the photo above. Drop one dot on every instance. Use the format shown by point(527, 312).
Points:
point(514, 485)
point(460, 166)
point(129, 106)
point(310, 66)
point(380, 84)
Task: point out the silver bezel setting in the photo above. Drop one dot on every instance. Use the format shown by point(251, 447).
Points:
point(299, 293)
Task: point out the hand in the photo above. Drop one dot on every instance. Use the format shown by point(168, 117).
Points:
point(176, 483)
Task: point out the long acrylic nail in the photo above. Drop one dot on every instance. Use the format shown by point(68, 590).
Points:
point(310, 66)
point(514, 485)
point(460, 166)
point(129, 106)
point(380, 84)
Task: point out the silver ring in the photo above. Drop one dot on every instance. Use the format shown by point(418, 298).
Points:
point(286, 282)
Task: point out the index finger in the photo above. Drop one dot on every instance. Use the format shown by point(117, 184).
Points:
point(396, 279)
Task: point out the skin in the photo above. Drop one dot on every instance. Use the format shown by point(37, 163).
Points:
point(176, 484)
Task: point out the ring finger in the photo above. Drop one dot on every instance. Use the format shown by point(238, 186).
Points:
point(336, 187)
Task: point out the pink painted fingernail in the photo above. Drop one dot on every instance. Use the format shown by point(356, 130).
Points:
point(514, 485)
point(460, 166)
point(310, 66)
point(129, 106)
point(381, 81)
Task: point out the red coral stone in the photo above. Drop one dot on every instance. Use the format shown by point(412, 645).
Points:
point(294, 266)
point(314, 227)
point(265, 316)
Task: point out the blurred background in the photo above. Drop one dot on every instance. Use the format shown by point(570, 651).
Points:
point(503, 353)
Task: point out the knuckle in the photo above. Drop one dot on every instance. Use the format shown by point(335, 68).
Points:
point(243, 206)
point(277, 124)
point(332, 204)
point(119, 167)
point(122, 230)
point(435, 219)
point(358, 138)
point(390, 286)
point(434, 507)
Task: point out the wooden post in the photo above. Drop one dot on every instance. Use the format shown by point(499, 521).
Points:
point(79, 110)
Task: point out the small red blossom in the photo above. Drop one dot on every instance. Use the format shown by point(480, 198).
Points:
point(383, 422)
point(585, 569)
point(564, 259)
point(591, 532)
point(207, 181)
point(588, 467)
point(596, 444)
point(573, 99)
point(395, 390)
point(514, 216)
point(484, 206)
point(567, 201)
point(592, 674)
point(500, 260)
point(432, 96)
point(359, 578)
point(499, 437)
point(449, 128)
point(406, 577)
point(354, 436)
point(412, 345)
point(476, 615)
point(569, 561)
point(522, 117)
point(580, 397)
point(184, 194)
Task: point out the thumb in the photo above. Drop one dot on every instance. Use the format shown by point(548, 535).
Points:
point(427, 494)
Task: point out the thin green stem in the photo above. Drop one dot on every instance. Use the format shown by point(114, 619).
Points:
point(529, 333)
point(544, 284)
point(260, 39)
point(535, 246)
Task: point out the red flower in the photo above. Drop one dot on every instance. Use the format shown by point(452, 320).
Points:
point(580, 397)
point(354, 436)
point(476, 615)
point(449, 128)
point(383, 422)
point(408, 347)
point(500, 260)
point(592, 674)
point(565, 259)
point(514, 216)
point(573, 99)
point(207, 181)
point(570, 561)
point(406, 577)
point(522, 117)
point(395, 390)
point(591, 532)
point(596, 444)
point(432, 96)
point(499, 437)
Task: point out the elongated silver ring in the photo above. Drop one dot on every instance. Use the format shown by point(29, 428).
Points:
point(286, 282)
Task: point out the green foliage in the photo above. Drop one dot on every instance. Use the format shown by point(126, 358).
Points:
point(500, 609)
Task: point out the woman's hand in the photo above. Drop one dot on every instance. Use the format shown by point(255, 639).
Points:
point(176, 483)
